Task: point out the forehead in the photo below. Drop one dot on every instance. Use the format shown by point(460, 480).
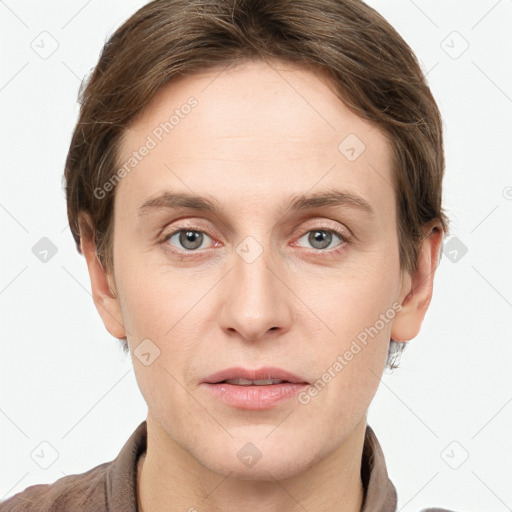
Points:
point(252, 132)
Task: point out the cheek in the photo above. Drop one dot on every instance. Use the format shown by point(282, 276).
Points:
point(358, 310)
point(170, 310)
point(154, 299)
point(352, 299)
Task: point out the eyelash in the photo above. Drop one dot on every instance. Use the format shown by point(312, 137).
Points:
point(345, 240)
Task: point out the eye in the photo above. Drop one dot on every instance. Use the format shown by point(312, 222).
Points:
point(321, 239)
point(187, 239)
point(191, 240)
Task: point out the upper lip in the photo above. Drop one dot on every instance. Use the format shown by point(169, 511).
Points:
point(268, 372)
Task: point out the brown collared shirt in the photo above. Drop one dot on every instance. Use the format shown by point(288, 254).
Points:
point(111, 487)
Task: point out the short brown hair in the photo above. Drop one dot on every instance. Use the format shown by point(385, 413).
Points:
point(374, 71)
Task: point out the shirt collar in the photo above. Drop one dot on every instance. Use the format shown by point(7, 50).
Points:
point(380, 493)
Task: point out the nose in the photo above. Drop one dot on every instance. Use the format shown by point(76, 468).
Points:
point(257, 301)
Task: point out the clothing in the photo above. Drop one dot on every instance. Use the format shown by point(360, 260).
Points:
point(111, 486)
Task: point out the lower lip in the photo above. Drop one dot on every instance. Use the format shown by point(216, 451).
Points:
point(254, 397)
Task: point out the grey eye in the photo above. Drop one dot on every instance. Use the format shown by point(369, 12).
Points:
point(320, 238)
point(189, 239)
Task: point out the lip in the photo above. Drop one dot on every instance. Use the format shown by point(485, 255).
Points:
point(254, 397)
point(267, 372)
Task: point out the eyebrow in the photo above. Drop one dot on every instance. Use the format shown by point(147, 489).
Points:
point(334, 198)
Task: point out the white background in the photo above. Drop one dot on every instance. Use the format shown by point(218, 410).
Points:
point(66, 382)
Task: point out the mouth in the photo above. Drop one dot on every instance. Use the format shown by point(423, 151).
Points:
point(259, 389)
point(267, 376)
point(248, 382)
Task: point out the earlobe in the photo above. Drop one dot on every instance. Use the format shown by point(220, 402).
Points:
point(103, 291)
point(419, 286)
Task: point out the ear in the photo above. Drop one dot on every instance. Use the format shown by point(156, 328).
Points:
point(104, 296)
point(418, 286)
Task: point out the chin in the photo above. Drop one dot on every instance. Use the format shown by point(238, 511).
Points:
point(278, 468)
point(257, 456)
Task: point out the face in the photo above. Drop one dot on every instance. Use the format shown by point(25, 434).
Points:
point(294, 265)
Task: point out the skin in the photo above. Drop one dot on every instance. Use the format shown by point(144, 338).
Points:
point(260, 133)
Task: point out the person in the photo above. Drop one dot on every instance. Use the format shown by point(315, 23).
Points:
point(256, 188)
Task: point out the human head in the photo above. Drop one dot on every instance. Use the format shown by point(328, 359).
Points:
point(375, 72)
point(221, 52)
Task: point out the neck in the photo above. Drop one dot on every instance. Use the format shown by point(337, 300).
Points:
point(168, 478)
